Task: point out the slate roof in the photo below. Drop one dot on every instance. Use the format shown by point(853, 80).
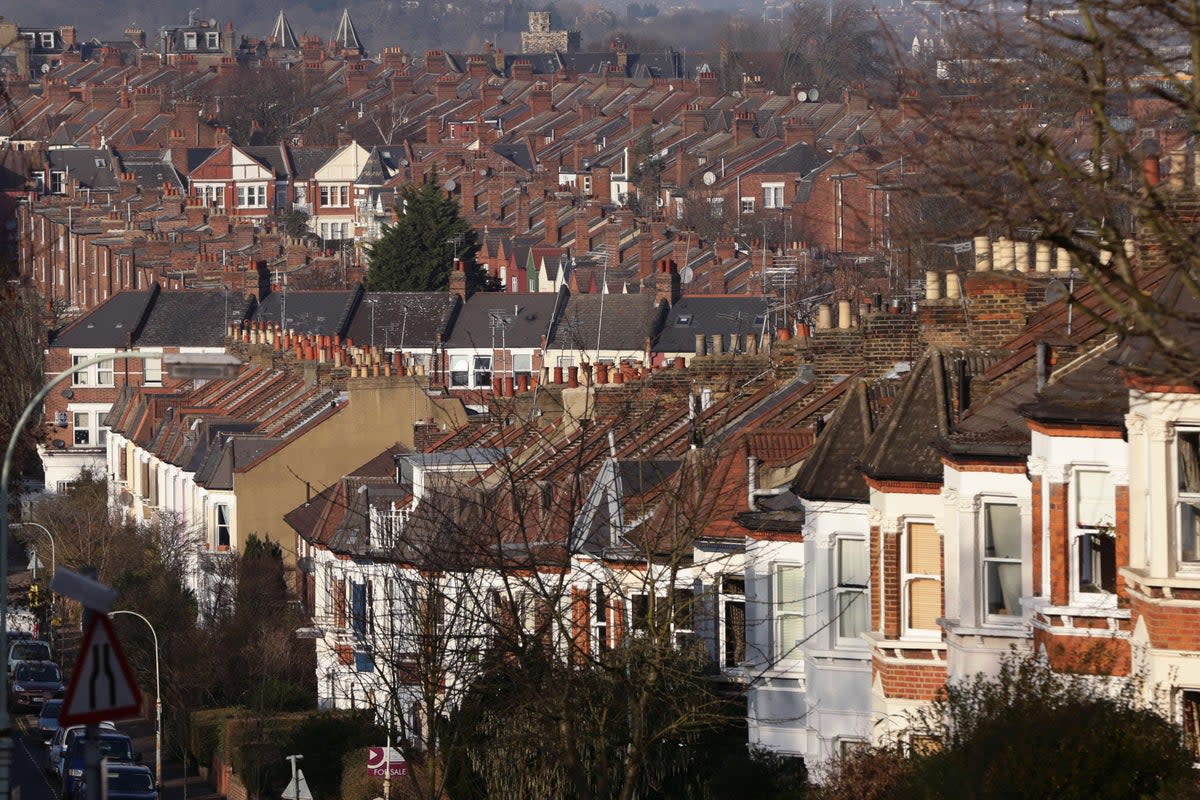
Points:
point(902, 448)
point(628, 320)
point(800, 158)
point(157, 318)
point(831, 470)
point(519, 320)
point(709, 315)
point(192, 318)
point(1144, 356)
point(151, 170)
point(403, 319)
point(1089, 392)
point(323, 312)
point(94, 169)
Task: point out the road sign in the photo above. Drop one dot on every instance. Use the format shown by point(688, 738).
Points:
point(102, 684)
point(297, 788)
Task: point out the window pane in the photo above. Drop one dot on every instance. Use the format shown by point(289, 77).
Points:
point(1003, 529)
point(924, 549)
point(852, 562)
point(1189, 531)
point(852, 614)
point(1188, 445)
point(924, 603)
point(1097, 563)
point(1094, 499)
point(789, 588)
point(735, 632)
point(1003, 583)
point(522, 362)
point(791, 633)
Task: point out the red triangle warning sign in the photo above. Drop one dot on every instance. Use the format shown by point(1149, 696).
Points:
point(102, 684)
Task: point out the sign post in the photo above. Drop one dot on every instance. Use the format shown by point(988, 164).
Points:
point(102, 687)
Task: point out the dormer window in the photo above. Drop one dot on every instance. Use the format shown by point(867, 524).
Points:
point(47, 39)
point(683, 320)
point(189, 40)
point(212, 40)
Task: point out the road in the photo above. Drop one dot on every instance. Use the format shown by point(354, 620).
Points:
point(29, 762)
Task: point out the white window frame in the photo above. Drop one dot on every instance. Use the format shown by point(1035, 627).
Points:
point(47, 40)
point(95, 424)
point(212, 194)
point(97, 375)
point(716, 207)
point(217, 525)
point(984, 559)
point(1180, 498)
point(524, 366)
point(783, 650)
point(334, 195)
point(907, 577)
point(727, 598)
point(1078, 532)
point(152, 372)
point(858, 593)
point(478, 369)
point(212, 40)
point(252, 195)
point(189, 40)
point(599, 602)
point(1191, 737)
point(460, 365)
point(772, 195)
point(748, 205)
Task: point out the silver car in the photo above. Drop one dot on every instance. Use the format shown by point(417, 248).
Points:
point(62, 741)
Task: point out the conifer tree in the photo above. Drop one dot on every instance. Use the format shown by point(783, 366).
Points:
point(416, 254)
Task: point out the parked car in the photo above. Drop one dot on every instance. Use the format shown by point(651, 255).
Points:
point(127, 782)
point(27, 650)
point(61, 741)
point(47, 721)
point(116, 747)
point(33, 683)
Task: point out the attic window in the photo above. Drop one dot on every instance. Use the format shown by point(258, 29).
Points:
point(683, 320)
point(758, 321)
point(101, 163)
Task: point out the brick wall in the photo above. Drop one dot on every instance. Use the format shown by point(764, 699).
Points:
point(891, 585)
point(1060, 546)
point(1085, 655)
point(876, 584)
point(1171, 624)
point(916, 680)
point(1036, 502)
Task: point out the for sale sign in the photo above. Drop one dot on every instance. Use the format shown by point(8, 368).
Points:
point(384, 761)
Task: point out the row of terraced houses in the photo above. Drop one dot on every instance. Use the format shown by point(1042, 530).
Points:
point(887, 489)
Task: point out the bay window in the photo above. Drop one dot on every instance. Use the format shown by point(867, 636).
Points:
point(252, 195)
point(1187, 501)
point(922, 579)
point(1001, 560)
point(853, 606)
point(1093, 512)
point(733, 619)
point(789, 611)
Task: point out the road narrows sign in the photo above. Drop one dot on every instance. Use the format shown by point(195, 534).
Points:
point(102, 684)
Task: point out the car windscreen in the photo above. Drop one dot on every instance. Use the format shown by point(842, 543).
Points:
point(128, 780)
point(38, 672)
point(118, 748)
point(50, 709)
point(31, 651)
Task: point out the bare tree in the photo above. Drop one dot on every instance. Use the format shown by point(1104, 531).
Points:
point(1073, 117)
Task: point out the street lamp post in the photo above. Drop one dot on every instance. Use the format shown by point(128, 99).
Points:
point(190, 365)
point(157, 697)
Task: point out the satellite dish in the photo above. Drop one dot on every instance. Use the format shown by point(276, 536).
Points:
point(813, 95)
point(1055, 291)
point(449, 185)
point(686, 275)
point(709, 178)
point(45, 68)
point(802, 96)
point(212, 22)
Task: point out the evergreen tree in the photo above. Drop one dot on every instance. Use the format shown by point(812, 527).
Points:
point(415, 254)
